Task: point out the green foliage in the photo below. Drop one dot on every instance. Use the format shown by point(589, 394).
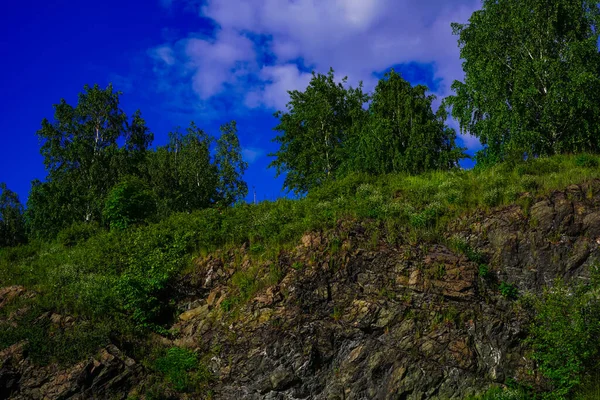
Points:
point(154, 258)
point(77, 233)
point(231, 166)
point(81, 156)
point(564, 335)
point(47, 342)
point(531, 78)
point(508, 290)
point(327, 134)
point(182, 173)
point(130, 202)
point(182, 369)
point(12, 220)
point(402, 133)
point(463, 247)
point(586, 161)
point(484, 271)
point(313, 131)
point(85, 161)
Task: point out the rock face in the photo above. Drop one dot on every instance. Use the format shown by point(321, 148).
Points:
point(109, 374)
point(354, 318)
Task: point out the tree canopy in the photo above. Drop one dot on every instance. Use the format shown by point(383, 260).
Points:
point(402, 132)
point(12, 222)
point(314, 130)
point(327, 132)
point(101, 167)
point(532, 78)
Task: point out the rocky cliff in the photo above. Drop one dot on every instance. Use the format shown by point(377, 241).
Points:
point(353, 313)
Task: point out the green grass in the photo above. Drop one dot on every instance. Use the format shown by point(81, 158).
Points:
point(120, 280)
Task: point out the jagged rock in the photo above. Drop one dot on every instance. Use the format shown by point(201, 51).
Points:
point(110, 375)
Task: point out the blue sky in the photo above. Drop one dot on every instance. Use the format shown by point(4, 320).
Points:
point(209, 61)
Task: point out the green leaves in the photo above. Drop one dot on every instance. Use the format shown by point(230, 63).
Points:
point(129, 202)
point(231, 166)
point(402, 133)
point(564, 335)
point(327, 133)
point(531, 78)
point(98, 164)
point(82, 159)
point(12, 221)
point(314, 131)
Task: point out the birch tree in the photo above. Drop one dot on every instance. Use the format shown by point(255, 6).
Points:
point(314, 129)
point(532, 78)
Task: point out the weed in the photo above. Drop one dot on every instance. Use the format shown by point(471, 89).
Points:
point(484, 271)
point(508, 290)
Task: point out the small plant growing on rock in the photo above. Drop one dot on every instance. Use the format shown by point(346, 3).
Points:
point(182, 369)
point(337, 313)
point(484, 271)
point(297, 265)
point(508, 290)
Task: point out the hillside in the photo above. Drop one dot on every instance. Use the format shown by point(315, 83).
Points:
point(392, 287)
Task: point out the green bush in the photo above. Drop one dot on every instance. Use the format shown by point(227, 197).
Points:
point(156, 256)
point(586, 161)
point(183, 369)
point(565, 336)
point(129, 202)
point(46, 342)
point(508, 290)
point(77, 233)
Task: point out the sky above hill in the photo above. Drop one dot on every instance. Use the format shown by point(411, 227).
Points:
point(210, 61)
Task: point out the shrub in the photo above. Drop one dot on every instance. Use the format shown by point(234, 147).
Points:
point(508, 290)
point(586, 161)
point(484, 271)
point(182, 369)
point(564, 336)
point(156, 256)
point(492, 197)
point(77, 233)
point(129, 202)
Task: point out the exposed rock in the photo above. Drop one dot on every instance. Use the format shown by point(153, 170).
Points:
point(108, 375)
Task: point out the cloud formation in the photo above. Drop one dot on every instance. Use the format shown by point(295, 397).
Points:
point(251, 154)
point(263, 48)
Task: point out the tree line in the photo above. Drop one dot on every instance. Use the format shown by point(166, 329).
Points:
point(102, 170)
point(531, 89)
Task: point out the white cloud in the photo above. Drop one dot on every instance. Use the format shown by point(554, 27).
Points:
point(277, 81)
point(218, 62)
point(164, 54)
point(355, 37)
point(251, 154)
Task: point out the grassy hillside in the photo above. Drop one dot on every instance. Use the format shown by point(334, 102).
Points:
point(118, 285)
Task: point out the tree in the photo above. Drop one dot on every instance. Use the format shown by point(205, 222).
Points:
point(314, 130)
point(182, 173)
point(130, 202)
point(50, 208)
point(402, 133)
point(12, 222)
point(230, 166)
point(138, 138)
point(80, 149)
point(532, 78)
